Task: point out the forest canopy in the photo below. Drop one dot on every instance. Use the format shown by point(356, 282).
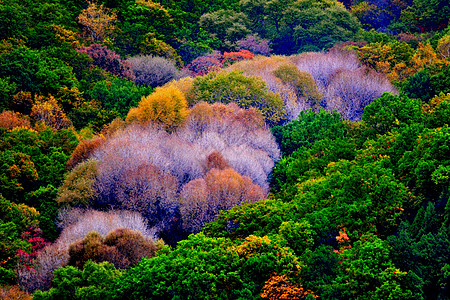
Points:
point(237, 149)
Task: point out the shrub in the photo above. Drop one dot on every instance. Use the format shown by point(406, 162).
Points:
point(346, 86)
point(322, 66)
point(142, 188)
point(14, 293)
point(152, 71)
point(309, 128)
point(230, 58)
point(48, 112)
point(83, 151)
point(390, 111)
point(75, 225)
point(166, 106)
point(205, 64)
point(301, 81)
point(263, 67)
point(118, 94)
point(122, 247)
point(10, 120)
point(349, 92)
point(95, 281)
point(280, 287)
point(98, 21)
point(78, 186)
point(238, 134)
point(22, 102)
point(7, 90)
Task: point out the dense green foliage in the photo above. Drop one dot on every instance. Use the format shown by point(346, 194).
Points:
point(164, 112)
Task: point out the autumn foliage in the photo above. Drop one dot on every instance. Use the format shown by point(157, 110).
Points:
point(122, 247)
point(10, 120)
point(280, 287)
point(83, 151)
point(220, 189)
point(97, 21)
point(50, 113)
point(166, 106)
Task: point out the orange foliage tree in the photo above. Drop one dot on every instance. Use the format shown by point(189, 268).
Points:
point(280, 287)
point(10, 120)
point(84, 150)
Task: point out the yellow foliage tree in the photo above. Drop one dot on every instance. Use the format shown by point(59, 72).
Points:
point(423, 57)
point(66, 35)
point(48, 112)
point(165, 106)
point(98, 21)
point(443, 47)
point(184, 84)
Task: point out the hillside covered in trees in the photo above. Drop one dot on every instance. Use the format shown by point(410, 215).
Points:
point(234, 149)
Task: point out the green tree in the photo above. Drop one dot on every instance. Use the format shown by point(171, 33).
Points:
point(309, 128)
point(425, 15)
point(370, 274)
point(118, 94)
point(95, 281)
point(392, 111)
point(33, 71)
point(228, 26)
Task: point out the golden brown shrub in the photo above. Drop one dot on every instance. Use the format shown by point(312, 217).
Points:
point(10, 120)
point(14, 293)
point(166, 106)
point(84, 150)
point(48, 112)
point(123, 247)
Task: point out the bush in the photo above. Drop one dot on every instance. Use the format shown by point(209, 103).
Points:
point(264, 67)
point(205, 64)
point(83, 151)
point(10, 120)
point(309, 128)
point(166, 107)
point(322, 66)
point(152, 71)
point(75, 225)
point(118, 94)
point(349, 92)
point(121, 247)
point(78, 186)
point(302, 82)
point(14, 292)
point(390, 111)
point(48, 112)
point(95, 281)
